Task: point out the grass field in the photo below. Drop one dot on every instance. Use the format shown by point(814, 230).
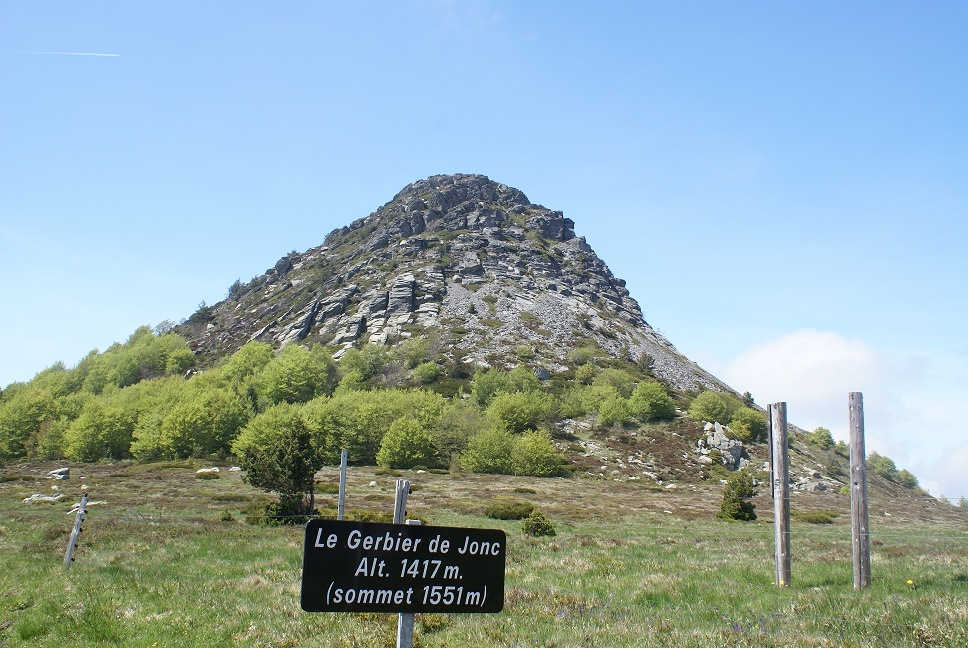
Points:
point(632, 565)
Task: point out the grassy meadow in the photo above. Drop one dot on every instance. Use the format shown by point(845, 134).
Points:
point(166, 559)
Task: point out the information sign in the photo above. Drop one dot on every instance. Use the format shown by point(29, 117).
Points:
point(374, 567)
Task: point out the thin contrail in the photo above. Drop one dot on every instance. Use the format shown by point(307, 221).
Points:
point(70, 53)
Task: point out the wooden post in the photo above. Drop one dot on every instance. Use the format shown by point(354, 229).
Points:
point(781, 492)
point(405, 619)
point(76, 531)
point(859, 531)
point(341, 505)
point(769, 441)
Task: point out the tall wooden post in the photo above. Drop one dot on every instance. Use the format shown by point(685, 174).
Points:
point(769, 442)
point(781, 493)
point(405, 619)
point(859, 530)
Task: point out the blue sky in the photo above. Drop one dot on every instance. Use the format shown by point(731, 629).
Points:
point(783, 185)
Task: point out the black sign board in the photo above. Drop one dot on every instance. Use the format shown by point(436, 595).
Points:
point(372, 567)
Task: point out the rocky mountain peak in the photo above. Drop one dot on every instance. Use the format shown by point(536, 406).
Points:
point(461, 259)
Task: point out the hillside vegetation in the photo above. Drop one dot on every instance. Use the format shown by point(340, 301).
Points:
point(400, 408)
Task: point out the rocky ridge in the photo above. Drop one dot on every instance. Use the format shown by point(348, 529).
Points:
point(460, 258)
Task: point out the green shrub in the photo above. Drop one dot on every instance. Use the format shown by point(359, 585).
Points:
point(748, 424)
point(614, 410)
point(406, 445)
point(585, 373)
point(327, 488)
point(537, 524)
point(651, 402)
point(821, 438)
point(525, 490)
point(508, 510)
point(533, 454)
point(206, 475)
point(489, 452)
point(426, 373)
point(520, 411)
point(736, 505)
point(842, 449)
point(814, 517)
point(713, 406)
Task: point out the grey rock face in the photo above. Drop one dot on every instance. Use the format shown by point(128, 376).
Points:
point(450, 253)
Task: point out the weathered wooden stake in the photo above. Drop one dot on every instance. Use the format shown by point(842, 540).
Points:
point(341, 505)
point(76, 531)
point(860, 533)
point(769, 441)
point(405, 620)
point(781, 492)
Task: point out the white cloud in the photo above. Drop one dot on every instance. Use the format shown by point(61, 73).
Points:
point(905, 412)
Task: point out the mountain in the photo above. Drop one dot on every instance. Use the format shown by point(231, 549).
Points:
point(459, 258)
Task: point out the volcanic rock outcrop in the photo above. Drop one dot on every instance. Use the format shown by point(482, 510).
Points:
point(457, 258)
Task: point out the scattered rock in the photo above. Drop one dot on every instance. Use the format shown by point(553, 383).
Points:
point(40, 497)
point(60, 473)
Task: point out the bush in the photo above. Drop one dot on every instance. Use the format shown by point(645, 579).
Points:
point(651, 402)
point(815, 517)
point(736, 505)
point(406, 445)
point(489, 452)
point(881, 465)
point(520, 411)
point(206, 475)
point(534, 454)
point(713, 406)
point(509, 510)
point(614, 410)
point(536, 525)
point(426, 373)
point(821, 438)
point(748, 424)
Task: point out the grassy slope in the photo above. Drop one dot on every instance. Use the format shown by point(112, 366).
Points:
point(632, 565)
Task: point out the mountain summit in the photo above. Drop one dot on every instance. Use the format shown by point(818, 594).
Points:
point(457, 258)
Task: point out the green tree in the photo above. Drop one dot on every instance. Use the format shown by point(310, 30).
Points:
point(520, 411)
point(651, 402)
point(426, 373)
point(489, 452)
point(22, 416)
point(881, 465)
point(487, 384)
point(277, 452)
point(736, 495)
point(614, 410)
point(617, 379)
point(405, 445)
point(713, 407)
point(298, 375)
point(821, 438)
point(585, 373)
point(459, 421)
point(534, 454)
point(748, 424)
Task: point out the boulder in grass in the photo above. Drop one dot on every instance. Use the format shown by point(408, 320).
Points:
point(60, 473)
point(39, 497)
